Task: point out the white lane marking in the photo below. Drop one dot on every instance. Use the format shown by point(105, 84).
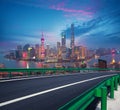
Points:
point(34, 77)
point(49, 90)
point(27, 78)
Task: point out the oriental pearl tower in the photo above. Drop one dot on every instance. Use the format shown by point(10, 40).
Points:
point(42, 47)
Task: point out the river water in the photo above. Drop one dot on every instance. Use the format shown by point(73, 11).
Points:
point(19, 64)
point(31, 64)
point(27, 64)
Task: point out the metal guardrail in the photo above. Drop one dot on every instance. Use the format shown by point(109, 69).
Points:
point(82, 102)
point(5, 72)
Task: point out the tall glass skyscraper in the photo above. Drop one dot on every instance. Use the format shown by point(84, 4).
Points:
point(72, 44)
point(63, 39)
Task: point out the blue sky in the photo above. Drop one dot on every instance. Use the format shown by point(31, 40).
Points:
point(97, 22)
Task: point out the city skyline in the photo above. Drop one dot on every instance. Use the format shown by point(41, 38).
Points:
point(96, 23)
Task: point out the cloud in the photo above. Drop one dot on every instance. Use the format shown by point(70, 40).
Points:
point(103, 30)
point(84, 28)
point(97, 21)
point(71, 10)
point(73, 13)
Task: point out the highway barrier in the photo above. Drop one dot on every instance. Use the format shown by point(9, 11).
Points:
point(99, 91)
point(10, 73)
point(84, 100)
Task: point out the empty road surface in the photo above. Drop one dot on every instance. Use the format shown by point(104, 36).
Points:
point(46, 93)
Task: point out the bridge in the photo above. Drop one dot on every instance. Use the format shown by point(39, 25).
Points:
point(57, 88)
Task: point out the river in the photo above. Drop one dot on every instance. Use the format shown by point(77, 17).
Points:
point(31, 64)
point(19, 64)
point(28, 64)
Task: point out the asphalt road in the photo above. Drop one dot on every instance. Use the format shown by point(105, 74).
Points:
point(47, 93)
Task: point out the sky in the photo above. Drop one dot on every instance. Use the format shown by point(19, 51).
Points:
point(96, 22)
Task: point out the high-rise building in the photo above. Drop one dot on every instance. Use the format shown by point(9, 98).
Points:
point(68, 53)
point(77, 52)
point(59, 51)
point(72, 36)
point(12, 54)
point(19, 51)
point(58, 48)
point(72, 43)
point(37, 51)
point(63, 46)
point(47, 50)
point(58, 45)
point(25, 48)
point(63, 39)
point(24, 55)
point(83, 52)
point(31, 52)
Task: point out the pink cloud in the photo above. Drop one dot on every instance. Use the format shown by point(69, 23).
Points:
point(60, 8)
point(71, 13)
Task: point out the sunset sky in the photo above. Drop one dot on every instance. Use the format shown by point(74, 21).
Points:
point(97, 22)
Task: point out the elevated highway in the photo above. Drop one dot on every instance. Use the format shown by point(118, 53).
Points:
point(48, 92)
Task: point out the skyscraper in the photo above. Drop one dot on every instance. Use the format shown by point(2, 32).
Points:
point(63, 39)
point(63, 47)
point(47, 50)
point(58, 45)
point(59, 50)
point(72, 36)
point(83, 52)
point(72, 44)
point(37, 51)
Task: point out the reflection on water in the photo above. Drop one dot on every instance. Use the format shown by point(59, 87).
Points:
point(111, 59)
point(30, 64)
point(23, 64)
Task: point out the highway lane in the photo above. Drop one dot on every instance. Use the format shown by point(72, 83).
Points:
point(50, 100)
